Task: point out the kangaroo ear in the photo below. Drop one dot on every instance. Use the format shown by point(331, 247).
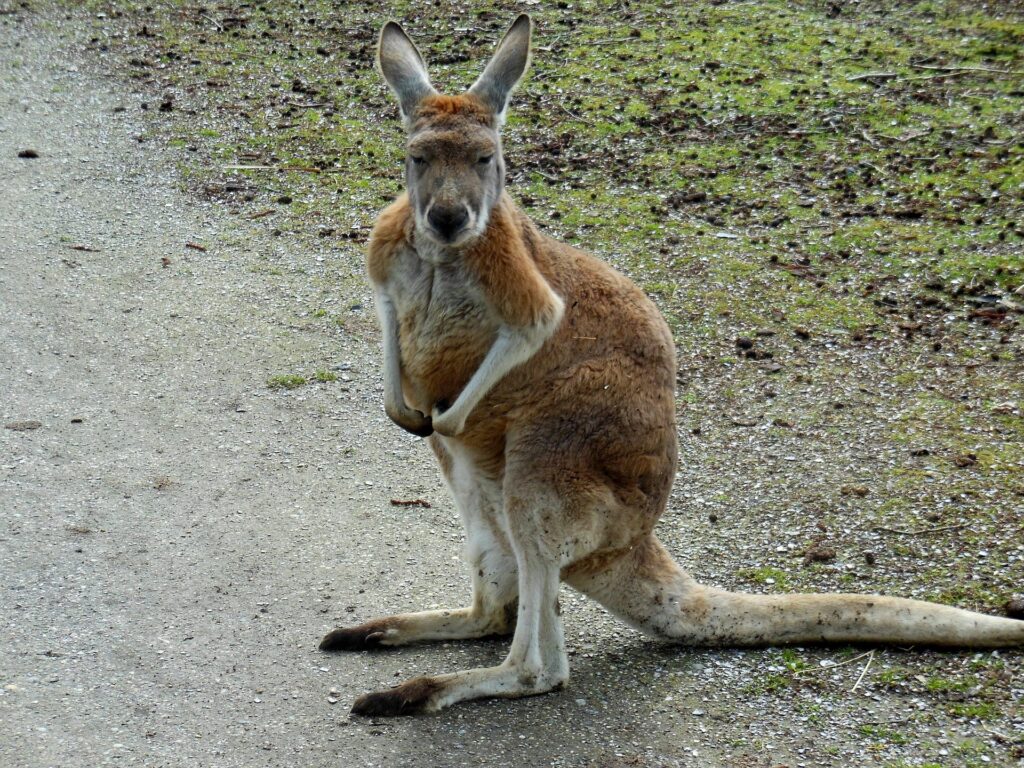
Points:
point(505, 69)
point(403, 68)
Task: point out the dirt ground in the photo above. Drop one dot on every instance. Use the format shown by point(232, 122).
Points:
point(176, 535)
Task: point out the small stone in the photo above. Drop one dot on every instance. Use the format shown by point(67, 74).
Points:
point(744, 343)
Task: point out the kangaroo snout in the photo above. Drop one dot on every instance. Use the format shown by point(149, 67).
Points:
point(447, 221)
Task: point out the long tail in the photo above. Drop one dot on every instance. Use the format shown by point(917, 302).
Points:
point(648, 590)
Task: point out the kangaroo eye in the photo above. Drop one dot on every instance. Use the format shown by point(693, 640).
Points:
point(485, 159)
point(417, 160)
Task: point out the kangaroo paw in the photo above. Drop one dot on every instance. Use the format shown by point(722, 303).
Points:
point(412, 697)
point(361, 638)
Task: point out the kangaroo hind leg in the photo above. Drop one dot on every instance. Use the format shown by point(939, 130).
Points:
point(648, 590)
point(537, 661)
point(491, 561)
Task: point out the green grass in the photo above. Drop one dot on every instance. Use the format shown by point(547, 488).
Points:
point(286, 381)
point(884, 734)
point(767, 576)
point(755, 109)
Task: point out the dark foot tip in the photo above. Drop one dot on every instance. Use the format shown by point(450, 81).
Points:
point(1014, 608)
point(410, 698)
point(351, 639)
point(385, 704)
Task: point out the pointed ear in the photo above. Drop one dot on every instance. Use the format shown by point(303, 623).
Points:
point(506, 68)
point(403, 68)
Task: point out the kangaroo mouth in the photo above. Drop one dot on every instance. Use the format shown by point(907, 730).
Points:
point(449, 239)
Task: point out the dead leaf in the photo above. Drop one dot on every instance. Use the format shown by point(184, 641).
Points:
point(965, 459)
point(23, 426)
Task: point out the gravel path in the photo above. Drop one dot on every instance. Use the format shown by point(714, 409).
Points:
point(176, 536)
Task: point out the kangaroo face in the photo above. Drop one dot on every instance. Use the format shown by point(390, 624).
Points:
point(454, 171)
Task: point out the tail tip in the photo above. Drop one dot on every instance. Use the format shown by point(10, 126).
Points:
point(1014, 607)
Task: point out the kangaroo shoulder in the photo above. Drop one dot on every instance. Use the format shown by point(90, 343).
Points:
point(392, 230)
point(506, 263)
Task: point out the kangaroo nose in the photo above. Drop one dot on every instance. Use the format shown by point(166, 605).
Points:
point(447, 221)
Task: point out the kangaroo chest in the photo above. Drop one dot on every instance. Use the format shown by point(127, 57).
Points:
point(444, 325)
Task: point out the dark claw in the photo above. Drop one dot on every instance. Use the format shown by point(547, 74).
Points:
point(353, 638)
point(423, 427)
point(410, 698)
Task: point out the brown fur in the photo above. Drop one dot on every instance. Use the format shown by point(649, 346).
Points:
point(549, 381)
point(448, 112)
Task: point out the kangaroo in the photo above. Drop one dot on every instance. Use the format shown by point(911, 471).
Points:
point(546, 383)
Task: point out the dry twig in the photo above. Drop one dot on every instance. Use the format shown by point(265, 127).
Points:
point(990, 70)
point(871, 657)
point(919, 532)
point(301, 168)
point(830, 667)
point(873, 76)
point(216, 23)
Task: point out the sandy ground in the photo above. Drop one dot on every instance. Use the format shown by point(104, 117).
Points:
point(175, 536)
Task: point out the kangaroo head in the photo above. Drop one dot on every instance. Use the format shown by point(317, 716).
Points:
point(454, 170)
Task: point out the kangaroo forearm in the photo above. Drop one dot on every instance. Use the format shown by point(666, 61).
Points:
point(392, 357)
point(395, 406)
point(512, 347)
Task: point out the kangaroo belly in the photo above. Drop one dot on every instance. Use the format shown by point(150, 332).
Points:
point(438, 358)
